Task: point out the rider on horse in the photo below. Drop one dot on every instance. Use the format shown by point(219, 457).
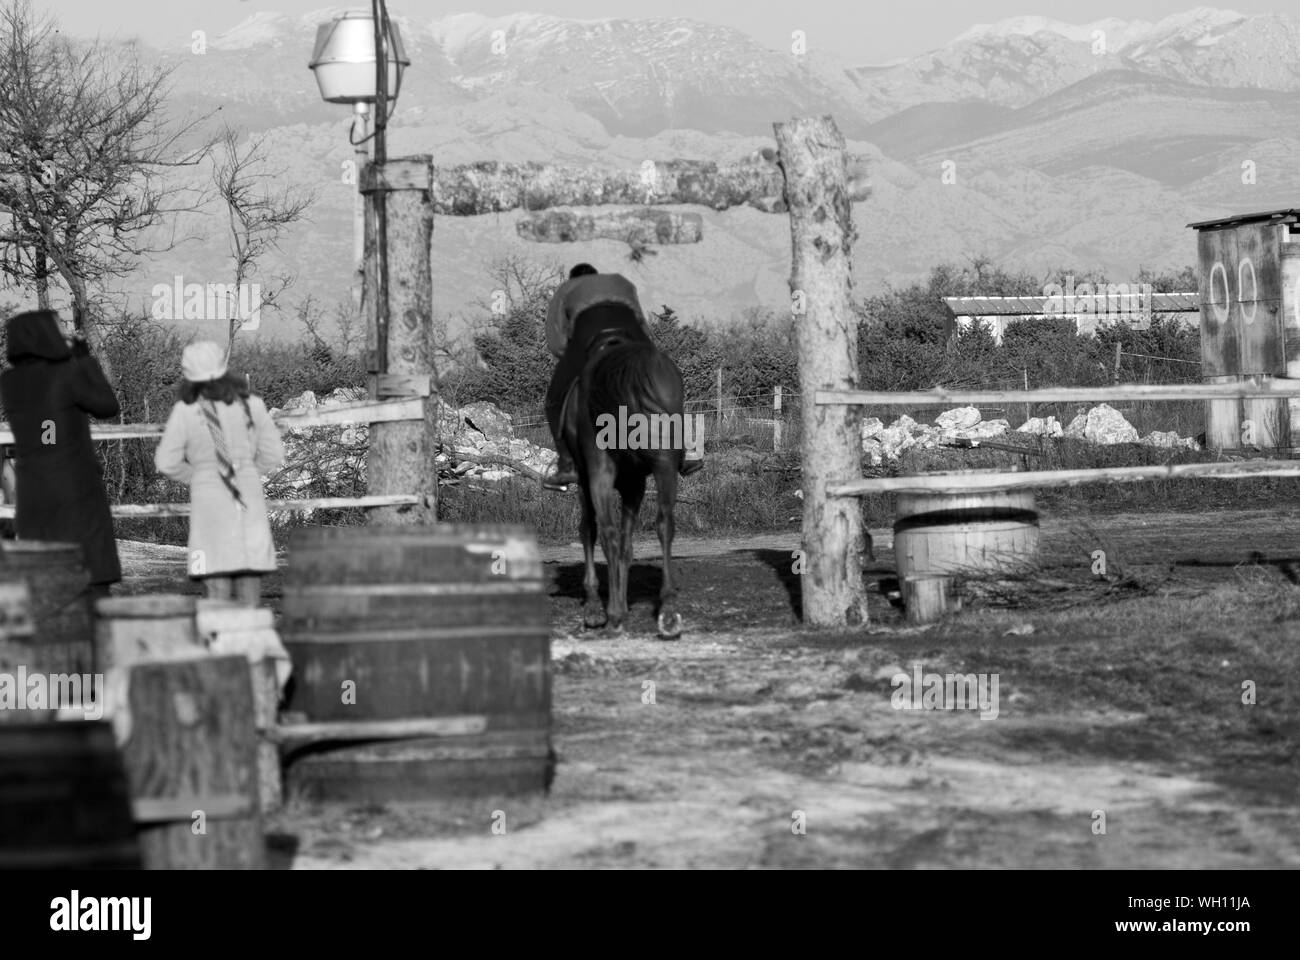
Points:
point(586, 307)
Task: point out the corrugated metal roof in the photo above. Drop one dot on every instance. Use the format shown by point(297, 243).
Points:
point(1037, 306)
point(1283, 216)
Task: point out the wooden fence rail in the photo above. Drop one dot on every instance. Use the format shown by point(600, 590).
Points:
point(138, 511)
point(365, 411)
point(1134, 391)
point(981, 482)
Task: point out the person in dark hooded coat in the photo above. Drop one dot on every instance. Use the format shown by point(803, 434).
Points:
point(49, 393)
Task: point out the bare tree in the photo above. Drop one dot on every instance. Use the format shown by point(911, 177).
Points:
point(84, 144)
point(349, 328)
point(520, 283)
point(258, 214)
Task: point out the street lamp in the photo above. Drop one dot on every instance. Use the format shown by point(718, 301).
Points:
point(344, 60)
point(359, 59)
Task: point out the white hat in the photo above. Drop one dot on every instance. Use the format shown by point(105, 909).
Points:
point(203, 361)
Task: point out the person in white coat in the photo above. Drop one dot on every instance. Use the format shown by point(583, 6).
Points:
point(221, 441)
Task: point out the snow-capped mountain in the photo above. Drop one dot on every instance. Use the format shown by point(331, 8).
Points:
point(1202, 26)
point(1017, 61)
point(1085, 145)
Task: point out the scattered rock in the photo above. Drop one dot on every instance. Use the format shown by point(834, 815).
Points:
point(985, 430)
point(487, 417)
point(897, 437)
point(323, 459)
point(1169, 439)
point(960, 418)
point(871, 426)
point(1051, 427)
point(1103, 424)
point(873, 451)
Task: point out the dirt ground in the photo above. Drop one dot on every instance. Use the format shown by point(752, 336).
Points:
point(1120, 697)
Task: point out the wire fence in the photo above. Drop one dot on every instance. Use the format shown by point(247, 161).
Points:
point(771, 421)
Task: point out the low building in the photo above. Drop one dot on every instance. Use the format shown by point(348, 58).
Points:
point(1088, 309)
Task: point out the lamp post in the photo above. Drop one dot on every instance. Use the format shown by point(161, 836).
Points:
point(359, 62)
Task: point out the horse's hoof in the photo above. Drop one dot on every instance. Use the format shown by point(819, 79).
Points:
point(670, 627)
point(594, 619)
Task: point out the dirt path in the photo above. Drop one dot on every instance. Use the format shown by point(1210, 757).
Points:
point(1127, 706)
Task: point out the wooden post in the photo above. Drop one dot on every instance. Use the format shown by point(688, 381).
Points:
point(383, 311)
point(191, 761)
point(401, 455)
point(811, 152)
point(718, 427)
point(776, 419)
point(229, 628)
point(1119, 352)
point(927, 599)
point(1026, 372)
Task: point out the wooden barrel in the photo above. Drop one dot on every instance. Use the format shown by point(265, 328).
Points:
point(230, 627)
point(938, 536)
point(431, 642)
point(965, 533)
point(156, 627)
point(191, 762)
point(56, 575)
point(64, 802)
point(20, 656)
point(929, 598)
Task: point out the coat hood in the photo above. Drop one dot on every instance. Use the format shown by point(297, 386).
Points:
point(36, 334)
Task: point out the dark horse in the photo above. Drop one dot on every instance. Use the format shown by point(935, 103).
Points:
point(621, 372)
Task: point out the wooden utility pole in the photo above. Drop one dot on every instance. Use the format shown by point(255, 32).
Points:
point(382, 310)
point(401, 457)
point(818, 194)
point(361, 156)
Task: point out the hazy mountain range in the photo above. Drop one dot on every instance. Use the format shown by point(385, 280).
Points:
point(1084, 145)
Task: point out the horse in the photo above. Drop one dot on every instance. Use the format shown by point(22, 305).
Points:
point(623, 378)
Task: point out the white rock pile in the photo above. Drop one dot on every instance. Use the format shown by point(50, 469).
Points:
point(321, 457)
point(1101, 425)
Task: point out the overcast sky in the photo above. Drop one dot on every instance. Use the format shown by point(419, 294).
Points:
point(865, 31)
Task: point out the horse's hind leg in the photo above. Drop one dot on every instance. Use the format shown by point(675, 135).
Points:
point(606, 520)
point(670, 618)
point(593, 611)
point(618, 544)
